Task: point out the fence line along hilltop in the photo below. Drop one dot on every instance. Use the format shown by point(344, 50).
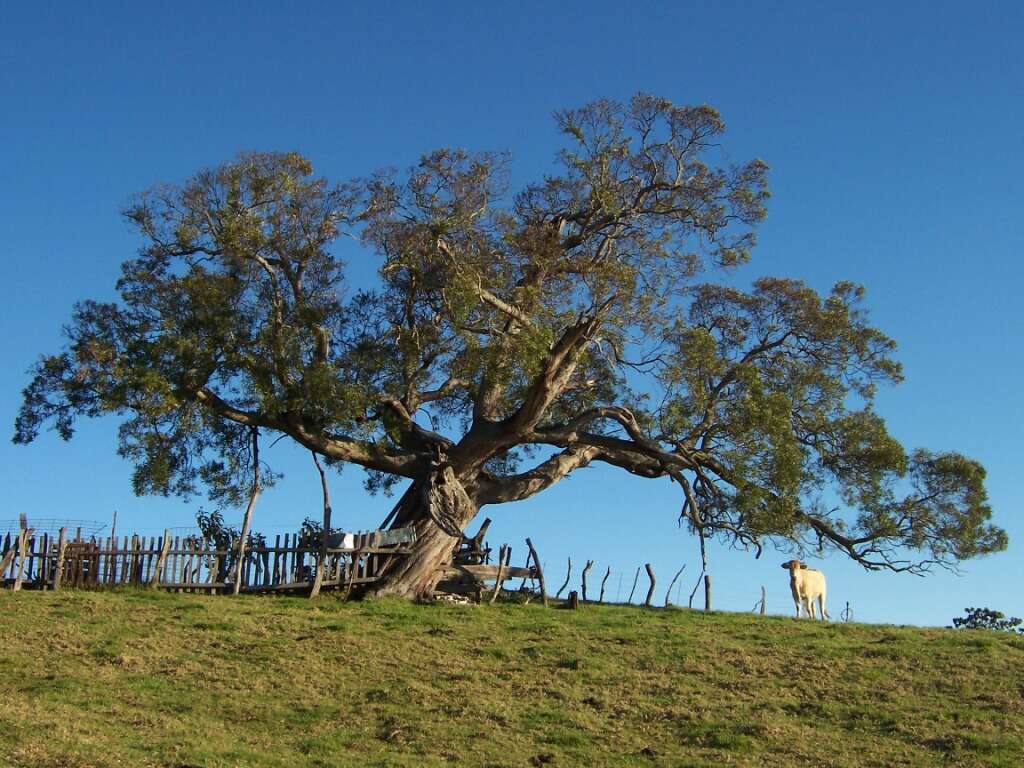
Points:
point(189, 563)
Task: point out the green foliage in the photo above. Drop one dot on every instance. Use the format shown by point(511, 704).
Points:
point(986, 618)
point(223, 536)
point(567, 315)
point(311, 531)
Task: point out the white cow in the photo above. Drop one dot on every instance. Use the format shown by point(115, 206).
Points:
point(807, 585)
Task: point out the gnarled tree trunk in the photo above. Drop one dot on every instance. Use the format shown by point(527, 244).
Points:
point(439, 509)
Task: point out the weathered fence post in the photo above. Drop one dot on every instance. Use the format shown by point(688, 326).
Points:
point(574, 600)
point(607, 573)
point(504, 555)
point(568, 575)
point(586, 568)
point(668, 592)
point(707, 591)
point(44, 562)
point(540, 572)
point(650, 592)
point(763, 600)
point(58, 568)
point(23, 536)
point(636, 578)
point(8, 558)
point(136, 575)
point(110, 566)
point(165, 545)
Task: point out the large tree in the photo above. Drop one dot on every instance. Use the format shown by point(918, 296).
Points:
point(511, 339)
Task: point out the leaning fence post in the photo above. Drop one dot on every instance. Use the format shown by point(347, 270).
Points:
point(707, 591)
point(568, 575)
point(8, 558)
point(650, 592)
point(503, 556)
point(668, 592)
point(165, 545)
point(586, 568)
point(58, 568)
point(636, 578)
point(22, 545)
point(763, 600)
point(607, 573)
point(540, 572)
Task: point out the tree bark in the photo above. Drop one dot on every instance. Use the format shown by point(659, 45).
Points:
point(438, 508)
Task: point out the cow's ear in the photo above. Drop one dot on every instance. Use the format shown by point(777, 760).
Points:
point(803, 565)
point(786, 565)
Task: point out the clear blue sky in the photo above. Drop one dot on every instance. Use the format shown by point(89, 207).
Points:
point(895, 133)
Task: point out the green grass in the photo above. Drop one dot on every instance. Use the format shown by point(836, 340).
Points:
point(154, 679)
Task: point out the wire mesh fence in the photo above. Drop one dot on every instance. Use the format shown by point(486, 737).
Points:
point(80, 529)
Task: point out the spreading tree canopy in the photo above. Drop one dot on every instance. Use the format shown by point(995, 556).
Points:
point(512, 338)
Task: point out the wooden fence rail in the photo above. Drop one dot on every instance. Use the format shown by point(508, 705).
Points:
point(190, 564)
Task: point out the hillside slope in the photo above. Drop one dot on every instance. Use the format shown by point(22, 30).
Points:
point(155, 679)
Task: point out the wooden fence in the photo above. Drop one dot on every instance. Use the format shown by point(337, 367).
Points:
point(190, 564)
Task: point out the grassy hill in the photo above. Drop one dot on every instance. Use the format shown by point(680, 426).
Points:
point(155, 679)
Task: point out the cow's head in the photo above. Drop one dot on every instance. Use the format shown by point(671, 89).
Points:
point(792, 565)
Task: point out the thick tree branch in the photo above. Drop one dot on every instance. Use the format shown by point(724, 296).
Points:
point(497, 490)
point(333, 446)
point(556, 371)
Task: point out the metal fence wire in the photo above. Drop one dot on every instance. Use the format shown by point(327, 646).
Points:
point(82, 529)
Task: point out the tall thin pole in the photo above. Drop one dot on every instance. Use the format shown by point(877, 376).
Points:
point(324, 533)
point(635, 579)
point(239, 570)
